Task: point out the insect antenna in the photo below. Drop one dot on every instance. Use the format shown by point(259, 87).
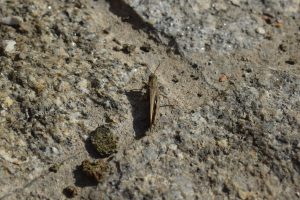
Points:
point(157, 67)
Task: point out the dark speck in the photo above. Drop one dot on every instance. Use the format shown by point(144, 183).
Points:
point(195, 66)
point(282, 47)
point(290, 62)
point(146, 47)
point(175, 79)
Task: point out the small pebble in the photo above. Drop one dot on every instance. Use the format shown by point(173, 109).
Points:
point(83, 85)
point(260, 30)
point(54, 150)
point(223, 78)
point(278, 23)
point(85, 137)
point(12, 21)
point(173, 147)
point(8, 46)
point(235, 2)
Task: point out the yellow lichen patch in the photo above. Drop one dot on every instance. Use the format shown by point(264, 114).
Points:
point(7, 102)
point(223, 143)
point(39, 86)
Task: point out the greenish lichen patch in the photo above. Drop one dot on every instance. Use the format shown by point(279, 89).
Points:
point(103, 141)
point(95, 170)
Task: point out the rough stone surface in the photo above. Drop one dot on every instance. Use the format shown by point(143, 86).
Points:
point(12, 20)
point(230, 70)
point(226, 26)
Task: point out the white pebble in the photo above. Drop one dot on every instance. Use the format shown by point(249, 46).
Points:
point(8, 46)
point(173, 147)
point(235, 2)
point(260, 30)
point(54, 150)
point(85, 137)
point(83, 85)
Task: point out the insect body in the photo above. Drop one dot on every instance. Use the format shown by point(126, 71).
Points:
point(153, 92)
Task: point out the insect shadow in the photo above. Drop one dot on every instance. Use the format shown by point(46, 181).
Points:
point(140, 112)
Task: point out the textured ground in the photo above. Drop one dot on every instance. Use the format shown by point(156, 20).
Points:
point(229, 69)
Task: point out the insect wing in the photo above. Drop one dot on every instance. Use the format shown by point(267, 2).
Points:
point(153, 100)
